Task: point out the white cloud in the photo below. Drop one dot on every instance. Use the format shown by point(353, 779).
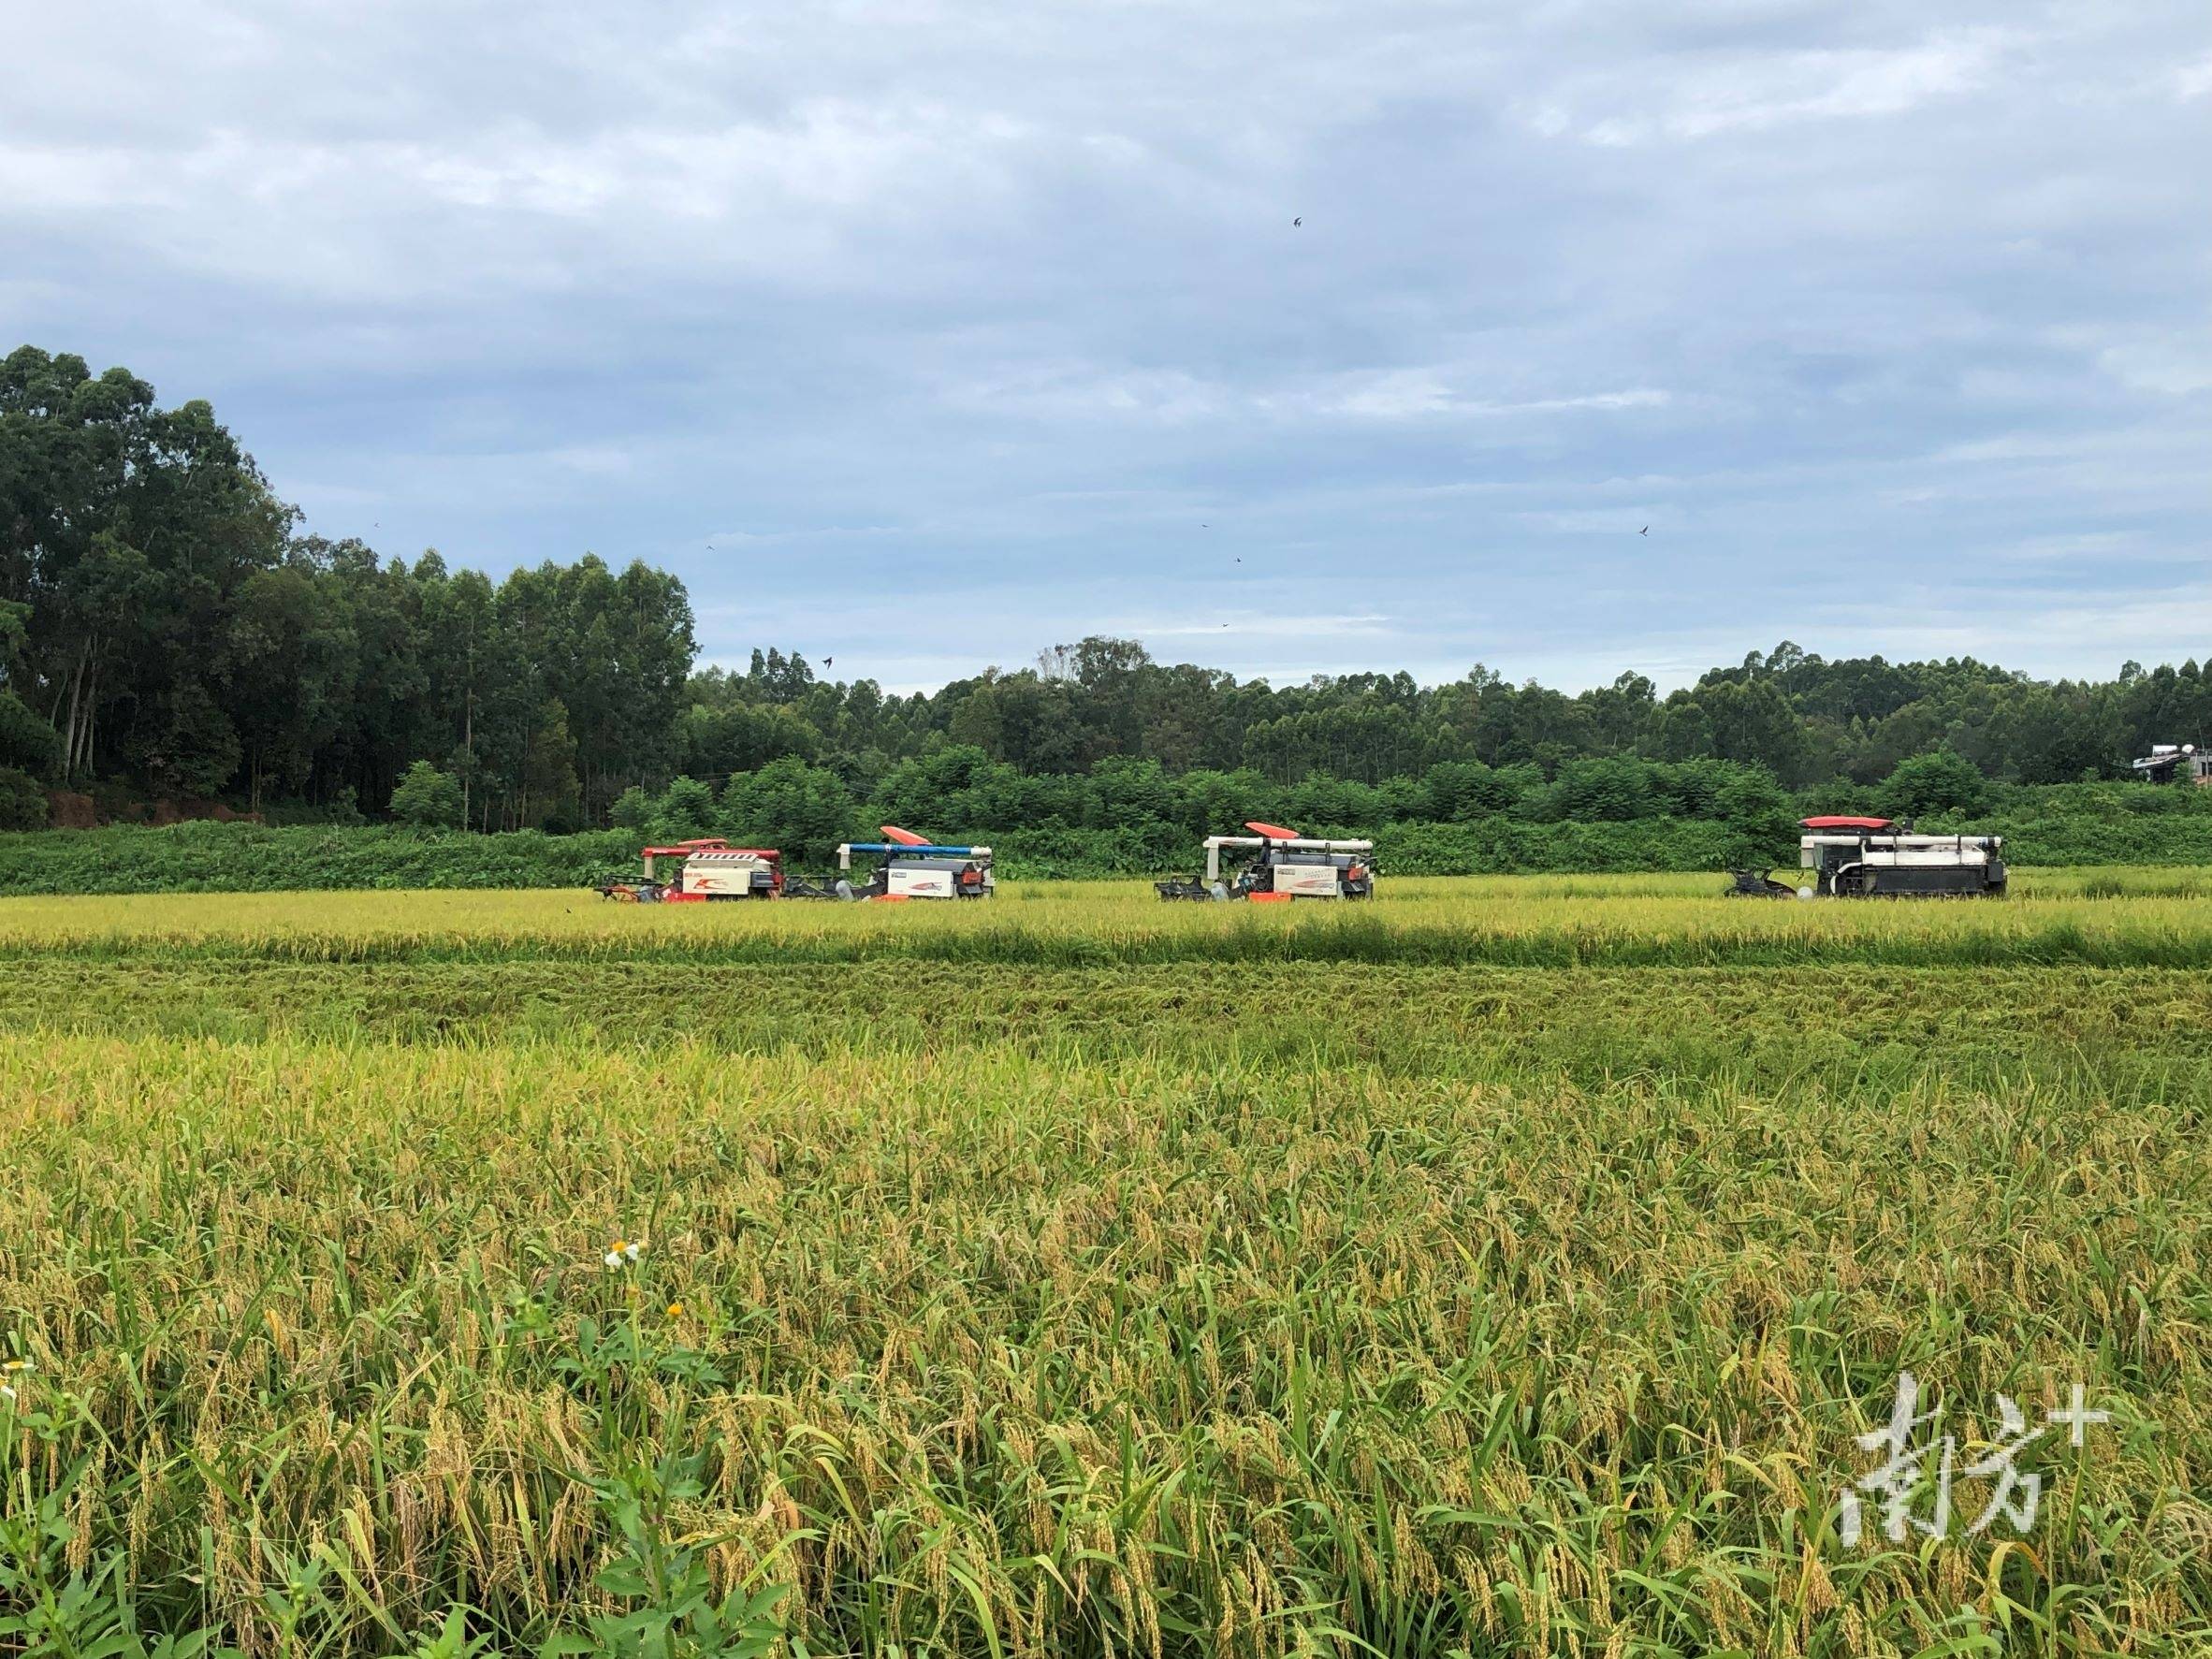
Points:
point(1755, 91)
point(2176, 366)
point(1013, 296)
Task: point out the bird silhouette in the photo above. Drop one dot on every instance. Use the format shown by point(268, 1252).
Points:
point(828, 662)
point(1296, 222)
point(1646, 531)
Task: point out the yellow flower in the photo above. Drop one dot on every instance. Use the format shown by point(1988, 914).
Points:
point(676, 1310)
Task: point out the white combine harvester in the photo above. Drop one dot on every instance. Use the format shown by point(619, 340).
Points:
point(1874, 858)
point(914, 867)
point(1287, 866)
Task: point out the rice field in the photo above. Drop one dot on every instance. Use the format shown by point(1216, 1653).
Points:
point(1508, 1266)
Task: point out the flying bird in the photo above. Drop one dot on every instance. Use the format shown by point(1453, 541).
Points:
point(1296, 222)
point(1646, 531)
point(828, 662)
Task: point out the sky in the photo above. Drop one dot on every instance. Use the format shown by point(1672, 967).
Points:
point(1569, 337)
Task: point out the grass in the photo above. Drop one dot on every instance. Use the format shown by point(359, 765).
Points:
point(1084, 1274)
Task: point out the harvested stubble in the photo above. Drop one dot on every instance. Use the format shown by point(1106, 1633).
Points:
point(1131, 1307)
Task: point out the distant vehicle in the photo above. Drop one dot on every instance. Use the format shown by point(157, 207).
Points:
point(1287, 866)
point(2170, 763)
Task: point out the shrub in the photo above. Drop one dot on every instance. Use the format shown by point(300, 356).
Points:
point(427, 797)
point(804, 810)
point(684, 812)
point(27, 743)
point(1941, 780)
point(23, 803)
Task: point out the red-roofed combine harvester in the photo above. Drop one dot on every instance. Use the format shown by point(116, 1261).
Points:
point(704, 869)
point(1874, 858)
point(1287, 866)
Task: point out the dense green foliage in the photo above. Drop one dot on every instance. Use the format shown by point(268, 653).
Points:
point(1062, 828)
point(23, 803)
point(165, 623)
point(166, 630)
point(1058, 1298)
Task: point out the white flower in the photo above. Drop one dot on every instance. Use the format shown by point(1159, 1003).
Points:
point(8, 1392)
point(620, 1253)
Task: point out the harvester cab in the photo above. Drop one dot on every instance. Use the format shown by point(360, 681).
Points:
point(1863, 857)
point(914, 867)
point(1282, 864)
point(707, 868)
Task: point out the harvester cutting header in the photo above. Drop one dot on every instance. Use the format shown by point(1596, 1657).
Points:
point(909, 866)
point(1287, 866)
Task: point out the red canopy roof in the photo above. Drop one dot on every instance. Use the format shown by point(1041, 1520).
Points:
point(1845, 822)
point(1273, 832)
point(890, 831)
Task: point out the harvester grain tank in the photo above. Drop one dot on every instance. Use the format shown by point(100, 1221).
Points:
point(914, 867)
point(1853, 857)
point(1284, 865)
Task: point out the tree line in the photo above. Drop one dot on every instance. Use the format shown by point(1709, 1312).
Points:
point(168, 627)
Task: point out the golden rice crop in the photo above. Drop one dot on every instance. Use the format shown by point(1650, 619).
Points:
point(1159, 1296)
point(1673, 920)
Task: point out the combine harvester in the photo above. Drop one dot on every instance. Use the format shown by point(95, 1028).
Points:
point(705, 869)
point(913, 867)
point(1874, 858)
point(1288, 865)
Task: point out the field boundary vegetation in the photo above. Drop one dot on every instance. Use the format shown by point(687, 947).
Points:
point(1458, 821)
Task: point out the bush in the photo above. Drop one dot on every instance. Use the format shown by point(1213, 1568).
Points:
point(427, 797)
point(633, 809)
point(803, 811)
point(684, 812)
point(27, 743)
point(23, 803)
point(210, 857)
point(1941, 780)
